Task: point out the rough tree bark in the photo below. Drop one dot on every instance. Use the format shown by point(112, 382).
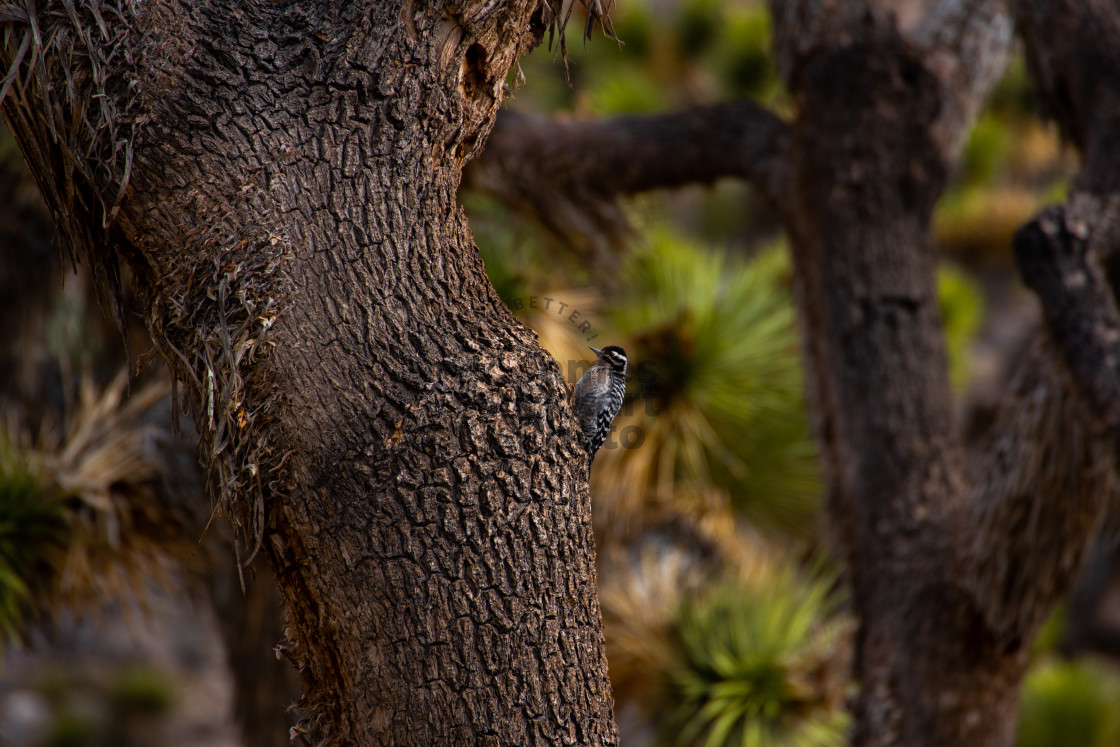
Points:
point(953, 567)
point(280, 181)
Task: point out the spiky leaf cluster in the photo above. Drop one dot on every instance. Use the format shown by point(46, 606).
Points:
point(718, 394)
point(761, 665)
point(32, 532)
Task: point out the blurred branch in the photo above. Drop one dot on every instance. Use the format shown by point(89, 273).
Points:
point(964, 44)
point(1057, 262)
point(967, 45)
point(568, 174)
point(1046, 475)
point(1051, 470)
point(1073, 52)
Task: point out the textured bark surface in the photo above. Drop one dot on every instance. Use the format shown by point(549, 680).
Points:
point(372, 410)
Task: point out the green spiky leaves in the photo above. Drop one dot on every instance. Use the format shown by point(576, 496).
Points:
point(32, 533)
point(719, 394)
point(761, 665)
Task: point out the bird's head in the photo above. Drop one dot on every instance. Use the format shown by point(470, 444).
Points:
point(613, 356)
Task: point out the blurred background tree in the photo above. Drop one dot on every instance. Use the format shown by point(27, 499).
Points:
point(723, 623)
point(707, 498)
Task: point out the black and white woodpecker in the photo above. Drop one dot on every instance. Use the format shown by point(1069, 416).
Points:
point(598, 396)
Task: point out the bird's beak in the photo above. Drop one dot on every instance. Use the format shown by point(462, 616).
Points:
point(597, 350)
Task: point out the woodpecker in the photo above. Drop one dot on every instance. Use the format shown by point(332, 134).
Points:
point(598, 396)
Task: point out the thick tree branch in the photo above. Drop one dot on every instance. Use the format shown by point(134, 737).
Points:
point(1051, 467)
point(1073, 52)
point(1057, 262)
point(965, 44)
point(568, 174)
point(1047, 473)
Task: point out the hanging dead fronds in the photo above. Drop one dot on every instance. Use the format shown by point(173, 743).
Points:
point(556, 21)
point(68, 93)
point(216, 336)
point(75, 100)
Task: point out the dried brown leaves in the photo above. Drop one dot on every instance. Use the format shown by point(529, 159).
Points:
point(556, 21)
point(68, 92)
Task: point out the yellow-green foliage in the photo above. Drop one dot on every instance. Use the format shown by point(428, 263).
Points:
point(32, 531)
point(627, 90)
point(723, 212)
point(671, 55)
point(1052, 634)
point(753, 662)
point(1013, 97)
point(509, 256)
point(962, 309)
point(980, 222)
point(989, 145)
point(635, 25)
point(698, 26)
point(742, 57)
point(1070, 703)
point(1008, 169)
point(719, 397)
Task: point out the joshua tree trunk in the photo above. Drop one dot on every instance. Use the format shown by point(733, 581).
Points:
point(279, 180)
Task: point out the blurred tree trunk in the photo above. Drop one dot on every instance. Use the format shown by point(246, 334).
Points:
point(954, 567)
point(869, 166)
point(953, 570)
point(279, 180)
